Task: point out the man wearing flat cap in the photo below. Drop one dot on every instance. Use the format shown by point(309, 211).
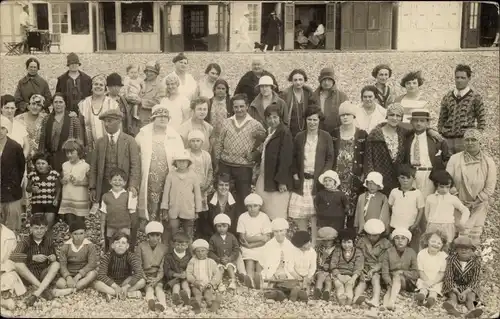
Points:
point(114, 149)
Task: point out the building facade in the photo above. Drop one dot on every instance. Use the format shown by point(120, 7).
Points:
point(174, 26)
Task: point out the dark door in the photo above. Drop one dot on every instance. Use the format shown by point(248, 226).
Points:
point(195, 27)
point(470, 24)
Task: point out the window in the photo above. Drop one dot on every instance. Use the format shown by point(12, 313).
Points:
point(137, 17)
point(473, 12)
point(197, 22)
point(373, 16)
point(41, 16)
point(60, 18)
point(79, 18)
point(254, 17)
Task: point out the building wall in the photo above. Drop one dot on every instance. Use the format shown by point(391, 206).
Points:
point(429, 25)
point(9, 23)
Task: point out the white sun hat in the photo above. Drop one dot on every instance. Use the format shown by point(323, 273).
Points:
point(266, 80)
point(331, 174)
point(374, 226)
point(376, 178)
point(222, 219)
point(154, 227)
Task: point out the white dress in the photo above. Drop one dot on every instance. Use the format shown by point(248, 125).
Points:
point(243, 43)
point(253, 226)
point(178, 109)
point(431, 265)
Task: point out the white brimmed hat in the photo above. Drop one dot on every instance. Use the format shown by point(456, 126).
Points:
point(331, 174)
point(200, 243)
point(348, 107)
point(400, 231)
point(196, 134)
point(279, 224)
point(253, 199)
point(182, 156)
point(265, 80)
point(154, 227)
point(374, 226)
point(376, 178)
point(222, 219)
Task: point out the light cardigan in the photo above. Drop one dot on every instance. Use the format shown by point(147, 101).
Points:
point(207, 274)
point(271, 256)
point(305, 262)
point(173, 144)
point(186, 87)
point(94, 127)
point(9, 279)
point(179, 110)
point(369, 122)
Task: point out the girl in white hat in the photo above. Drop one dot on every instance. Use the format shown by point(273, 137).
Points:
point(332, 205)
point(372, 203)
point(254, 231)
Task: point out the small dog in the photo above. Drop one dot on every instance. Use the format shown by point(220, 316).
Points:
point(258, 47)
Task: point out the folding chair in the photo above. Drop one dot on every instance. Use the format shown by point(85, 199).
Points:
point(14, 48)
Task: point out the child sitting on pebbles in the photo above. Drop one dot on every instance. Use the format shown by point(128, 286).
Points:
point(399, 267)
point(305, 264)
point(224, 248)
point(175, 266)
point(326, 246)
point(346, 266)
point(204, 276)
point(120, 272)
point(461, 278)
point(152, 253)
point(373, 245)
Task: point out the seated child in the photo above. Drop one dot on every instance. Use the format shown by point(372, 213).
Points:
point(224, 248)
point(326, 245)
point(346, 266)
point(35, 260)
point(399, 267)
point(372, 203)
point(461, 278)
point(204, 276)
point(254, 229)
point(117, 213)
point(176, 262)
point(332, 205)
point(120, 272)
point(278, 263)
point(431, 266)
point(78, 258)
point(305, 263)
point(12, 285)
point(151, 253)
point(373, 245)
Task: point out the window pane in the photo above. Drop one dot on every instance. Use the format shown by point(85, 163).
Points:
point(56, 18)
point(79, 18)
point(64, 28)
point(56, 28)
point(253, 19)
point(137, 17)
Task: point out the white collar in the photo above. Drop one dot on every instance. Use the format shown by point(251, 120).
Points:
point(73, 247)
point(215, 199)
point(116, 195)
point(246, 119)
point(461, 92)
point(115, 135)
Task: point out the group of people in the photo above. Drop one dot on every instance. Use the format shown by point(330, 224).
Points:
point(215, 180)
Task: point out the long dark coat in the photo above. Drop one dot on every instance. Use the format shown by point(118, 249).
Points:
point(272, 37)
point(248, 83)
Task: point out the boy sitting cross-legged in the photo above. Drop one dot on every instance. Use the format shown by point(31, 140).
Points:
point(176, 262)
point(120, 272)
point(35, 260)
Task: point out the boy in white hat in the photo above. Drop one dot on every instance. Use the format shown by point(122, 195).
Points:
point(182, 195)
point(224, 248)
point(332, 205)
point(152, 255)
point(254, 231)
point(372, 203)
point(204, 276)
point(399, 267)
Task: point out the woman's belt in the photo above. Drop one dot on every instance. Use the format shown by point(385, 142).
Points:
point(308, 176)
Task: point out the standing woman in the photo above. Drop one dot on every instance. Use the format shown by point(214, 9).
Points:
point(475, 175)
point(31, 84)
point(349, 151)
point(382, 73)
point(187, 84)
point(93, 106)
point(33, 120)
point(385, 148)
point(275, 178)
point(265, 98)
point(412, 99)
point(206, 84)
point(157, 141)
point(313, 155)
point(272, 38)
point(59, 126)
point(329, 98)
point(219, 109)
point(370, 113)
point(178, 105)
point(297, 97)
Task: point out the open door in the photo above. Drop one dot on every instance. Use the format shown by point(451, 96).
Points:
point(289, 22)
point(470, 24)
point(222, 26)
point(330, 27)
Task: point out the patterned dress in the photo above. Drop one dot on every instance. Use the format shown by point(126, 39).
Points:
point(34, 129)
point(218, 114)
point(75, 199)
point(344, 169)
point(158, 172)
point(392, 145)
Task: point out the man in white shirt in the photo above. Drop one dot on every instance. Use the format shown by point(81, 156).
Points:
point(25, 25)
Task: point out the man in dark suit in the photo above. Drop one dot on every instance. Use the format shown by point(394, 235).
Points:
point(115, 149)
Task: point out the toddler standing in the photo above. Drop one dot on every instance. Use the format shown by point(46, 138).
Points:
point(326, 246)
point(332, 205)
point(372, 203)
point(132, 86)
point(176, 262)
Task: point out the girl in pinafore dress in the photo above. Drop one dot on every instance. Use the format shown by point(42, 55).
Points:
point(372, 203)
point(75, 199)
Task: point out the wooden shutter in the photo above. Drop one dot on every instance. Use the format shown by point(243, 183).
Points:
point(222, 26)
point(470, 24)
point(167, 29)
point(330, 26)
point(289, 21)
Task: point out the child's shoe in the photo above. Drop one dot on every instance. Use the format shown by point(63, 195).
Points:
point(108, 297)
point(176, 299)
point(474, 313)
point(303, 295)
point(450, 308)
point(184, 297)
point(215, 306)
point(294, 294)
point(420, 297)
point(342, 300)
point(326, 295)
point(372, 303)
point(30, 301)
point(430, 302)
point(151, 304)
point(159, 307)
point(317, 293)
point(196, 306)
point(359, 301)
point(47, 295)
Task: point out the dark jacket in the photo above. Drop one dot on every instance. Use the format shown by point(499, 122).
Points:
point(378, 157)
point(298, 121)
point(229, 108)
point(278, 160)
point(28, 86)
point(256, 109)
point(174, 265)
point(332, 104)
point(127, 126)
point(214, 210)
point(12, 166)
point(85, 89)
point(73, 127)
point(248, 82)
point(323, 162)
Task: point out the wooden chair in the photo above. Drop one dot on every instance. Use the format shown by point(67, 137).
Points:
point(14, 48)
point(55, 40)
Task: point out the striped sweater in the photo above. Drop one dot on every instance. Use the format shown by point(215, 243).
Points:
point(27, 248)
point(457, 115)
point(116, 268)
point(462, 278)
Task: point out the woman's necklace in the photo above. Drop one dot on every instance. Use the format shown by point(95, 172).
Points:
point(100, 109)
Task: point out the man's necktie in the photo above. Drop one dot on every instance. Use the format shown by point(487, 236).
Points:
point(416, 151)
point(111, 140)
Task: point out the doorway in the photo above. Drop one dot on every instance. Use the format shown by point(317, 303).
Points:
point(271, 31)
point(480, 24)
point(310, 19)
point(489, 24)
point(107, 26)
point(195, 27)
